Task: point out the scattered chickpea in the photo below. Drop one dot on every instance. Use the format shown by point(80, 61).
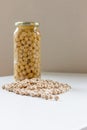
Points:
point(56, 98)
point(46, 97)
point(37, 88)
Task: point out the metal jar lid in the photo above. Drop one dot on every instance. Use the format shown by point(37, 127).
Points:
point(27, 24)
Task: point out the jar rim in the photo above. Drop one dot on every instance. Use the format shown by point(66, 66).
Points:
point(27, 24)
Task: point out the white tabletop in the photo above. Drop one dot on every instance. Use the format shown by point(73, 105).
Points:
point(27, 113)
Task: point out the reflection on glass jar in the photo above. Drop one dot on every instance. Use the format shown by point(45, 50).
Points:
point(26, 50)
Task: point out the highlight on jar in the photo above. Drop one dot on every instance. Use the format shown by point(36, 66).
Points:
point(27, 56)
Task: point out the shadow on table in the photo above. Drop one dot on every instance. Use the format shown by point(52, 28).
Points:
point(85, 128)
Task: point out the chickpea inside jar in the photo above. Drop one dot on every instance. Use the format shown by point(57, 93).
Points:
point(26, 50)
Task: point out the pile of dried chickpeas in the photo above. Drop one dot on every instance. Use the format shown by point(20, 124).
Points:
point(26, 52)
point(46, 89)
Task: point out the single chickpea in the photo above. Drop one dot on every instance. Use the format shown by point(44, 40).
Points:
point(21, 37)
point(22, 67)
point(26, 39)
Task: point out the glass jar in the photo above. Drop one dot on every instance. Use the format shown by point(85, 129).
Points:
point(26, 50)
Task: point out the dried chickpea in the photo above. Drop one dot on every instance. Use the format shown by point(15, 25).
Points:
point(37, 87)
point(26, 50)
point(56, 98)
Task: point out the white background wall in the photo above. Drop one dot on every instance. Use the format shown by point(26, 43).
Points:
point(63, 28)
